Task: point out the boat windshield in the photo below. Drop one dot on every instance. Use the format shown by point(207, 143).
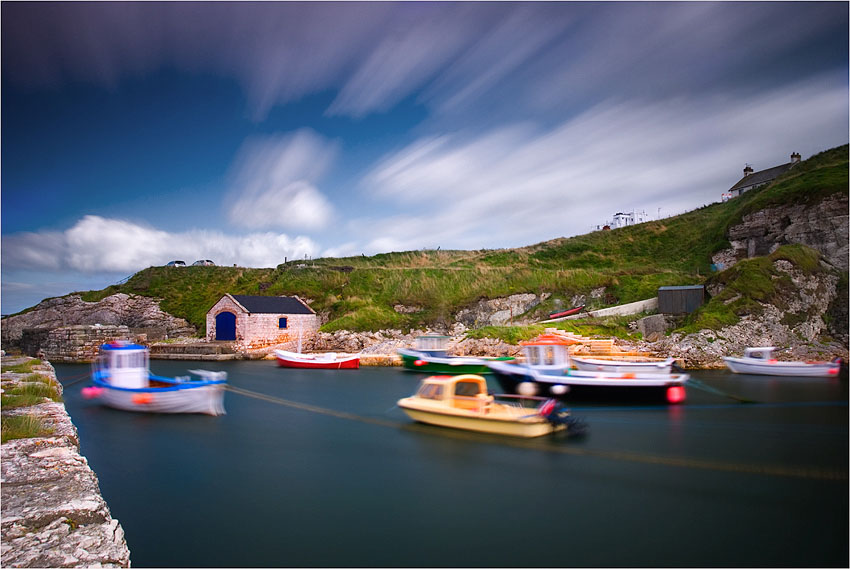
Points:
point(430, 391)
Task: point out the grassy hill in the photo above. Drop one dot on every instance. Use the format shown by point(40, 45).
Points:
point(359, 293)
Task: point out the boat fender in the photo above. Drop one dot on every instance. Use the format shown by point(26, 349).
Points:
point(527, 388)
point(142, 398)
point(420, 363)
point(92, 392)
point(559, 389)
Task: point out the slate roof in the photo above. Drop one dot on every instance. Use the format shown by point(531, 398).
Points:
point(272, 304)
point(762, 176)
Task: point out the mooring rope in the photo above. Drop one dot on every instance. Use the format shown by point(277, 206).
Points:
point(700, 385)
point(768, 470)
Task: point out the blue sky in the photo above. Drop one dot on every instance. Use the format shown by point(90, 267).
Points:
point(246, 133)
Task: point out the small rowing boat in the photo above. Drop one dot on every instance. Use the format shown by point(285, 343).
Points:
point(326, 360)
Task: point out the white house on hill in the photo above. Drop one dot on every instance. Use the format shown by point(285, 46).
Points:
point(261, 321)
point(756, 179)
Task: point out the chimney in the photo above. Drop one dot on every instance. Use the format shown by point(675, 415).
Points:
point(747, 170)
point(795, 157)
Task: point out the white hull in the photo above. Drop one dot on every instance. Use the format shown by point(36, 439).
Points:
point(525, 423)
point(207, 399)
point(621, 366)
point(589, 378)
point(613, 379)
point(771, 367)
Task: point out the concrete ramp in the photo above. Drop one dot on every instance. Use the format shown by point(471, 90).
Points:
point(621, 310)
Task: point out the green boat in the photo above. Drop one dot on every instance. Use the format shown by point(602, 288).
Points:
point(429, 356)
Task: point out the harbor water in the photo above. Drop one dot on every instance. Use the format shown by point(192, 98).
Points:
point(320, 468)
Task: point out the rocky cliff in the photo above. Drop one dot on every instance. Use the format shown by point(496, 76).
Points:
point(138, 312)
point(823, 227)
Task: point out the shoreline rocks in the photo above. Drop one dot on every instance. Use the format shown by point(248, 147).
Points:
point(53, 514)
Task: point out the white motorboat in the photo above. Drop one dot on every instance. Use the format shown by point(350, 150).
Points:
point(760, 361)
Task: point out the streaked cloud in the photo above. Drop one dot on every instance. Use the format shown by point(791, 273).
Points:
point(273, 182)
point(97, 245)
point(516, 185)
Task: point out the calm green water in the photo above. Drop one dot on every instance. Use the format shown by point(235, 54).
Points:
point(712, 482)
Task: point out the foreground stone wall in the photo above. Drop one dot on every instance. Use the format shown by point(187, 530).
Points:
point(53, 514)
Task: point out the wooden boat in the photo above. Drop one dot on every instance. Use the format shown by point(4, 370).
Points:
point(570, 312)
point(462, 402)
point(430, 356)
point(759, 361)
point(546, 370)
point(326, 360)
point(622, 366)
point(121, 379)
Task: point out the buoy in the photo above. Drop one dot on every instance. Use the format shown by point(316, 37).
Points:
point(91, 392)
point(675, 394)
point(142, 398)
point(420, 363)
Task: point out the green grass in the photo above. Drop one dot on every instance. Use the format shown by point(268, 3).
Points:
point(35, 390)
point(358, 293)
point(749, 285)
point(25, 367)
point(23, 427)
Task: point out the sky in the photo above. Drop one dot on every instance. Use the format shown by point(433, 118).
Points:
point(134, 134)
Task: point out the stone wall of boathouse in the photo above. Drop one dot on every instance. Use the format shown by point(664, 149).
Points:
point(73, 343)
point(255, 331)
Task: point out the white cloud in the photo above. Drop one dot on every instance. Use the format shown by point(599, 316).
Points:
point(96, 245)
point(273, 182)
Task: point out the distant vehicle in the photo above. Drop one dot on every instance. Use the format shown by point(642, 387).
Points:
point(176, 264)
point(203, 263)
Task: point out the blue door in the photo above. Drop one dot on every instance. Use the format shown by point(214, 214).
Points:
point(225, 326)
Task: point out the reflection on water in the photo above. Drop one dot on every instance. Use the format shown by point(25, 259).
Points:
point(324, 470)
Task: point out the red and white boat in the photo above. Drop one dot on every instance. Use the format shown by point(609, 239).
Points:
point(325, 360)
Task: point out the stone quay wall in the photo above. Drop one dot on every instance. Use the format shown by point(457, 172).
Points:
point(53, 514)
point(74, 343)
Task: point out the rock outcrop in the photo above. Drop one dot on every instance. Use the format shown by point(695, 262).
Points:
point(823, 227)
point(136, 312)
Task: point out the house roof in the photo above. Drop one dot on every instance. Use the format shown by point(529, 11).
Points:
point(762, 176)
point(272, 304)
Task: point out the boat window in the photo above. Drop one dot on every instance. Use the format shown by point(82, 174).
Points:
point(467, 388)
point(431, 391)
point(550, 355)
point(533, 357)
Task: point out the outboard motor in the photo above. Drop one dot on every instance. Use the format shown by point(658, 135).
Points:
point(558, 414)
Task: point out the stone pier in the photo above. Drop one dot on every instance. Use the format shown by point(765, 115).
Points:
point(53, 514)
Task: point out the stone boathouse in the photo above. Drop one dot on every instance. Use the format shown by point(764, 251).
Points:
point(254, 322)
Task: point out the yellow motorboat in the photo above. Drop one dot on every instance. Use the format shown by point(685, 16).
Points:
point(462, 402)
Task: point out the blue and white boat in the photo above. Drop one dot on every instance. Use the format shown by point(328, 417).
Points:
point(121, 379)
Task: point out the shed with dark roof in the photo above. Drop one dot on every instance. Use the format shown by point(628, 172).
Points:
point(255, 322)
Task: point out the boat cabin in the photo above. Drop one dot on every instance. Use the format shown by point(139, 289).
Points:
point(462, 391)
point(432, 344)
point(764, 353)
point(547, 351)
point(124, 364)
